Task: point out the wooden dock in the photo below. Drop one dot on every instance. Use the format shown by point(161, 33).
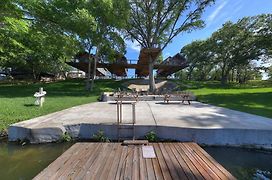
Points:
point(114, 161)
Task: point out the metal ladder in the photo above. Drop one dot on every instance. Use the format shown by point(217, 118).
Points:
point(120, 124)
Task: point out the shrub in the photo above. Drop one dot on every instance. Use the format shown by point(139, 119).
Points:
point(66, 137)
point(101, 137)
point(151, 136)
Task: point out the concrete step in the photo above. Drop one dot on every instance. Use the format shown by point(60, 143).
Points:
point(135, 142)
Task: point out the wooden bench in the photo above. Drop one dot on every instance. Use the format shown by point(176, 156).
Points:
point(178, 97)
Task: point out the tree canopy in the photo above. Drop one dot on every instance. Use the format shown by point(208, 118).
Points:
point(46, 31)
point(39, 36)
point(233, 49)
point(154, 23)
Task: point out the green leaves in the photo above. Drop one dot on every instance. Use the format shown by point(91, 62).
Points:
point(39, 35)
point(232, 50)
point(199, 57)
point(155, 23)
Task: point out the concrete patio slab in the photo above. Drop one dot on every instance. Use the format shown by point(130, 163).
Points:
point(197, 122)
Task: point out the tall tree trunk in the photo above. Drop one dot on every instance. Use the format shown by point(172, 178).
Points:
point(225, 74)
point(88, 85)
point(94, 68)
point(152, 86)
point(232, 75)
point(189, 76)
point(245, 76)
point(224, 77)
point(34, 73)
point(202, 76)
point(93, 74)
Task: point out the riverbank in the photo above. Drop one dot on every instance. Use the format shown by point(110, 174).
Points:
point(17, 100)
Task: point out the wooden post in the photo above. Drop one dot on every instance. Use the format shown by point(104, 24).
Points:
point(119, 112)
point(133, 118)
point(133, 112)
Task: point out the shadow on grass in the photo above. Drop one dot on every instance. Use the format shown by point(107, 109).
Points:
point(187, 85)
point(254, 103)
point(73, 88)
point(29, 105)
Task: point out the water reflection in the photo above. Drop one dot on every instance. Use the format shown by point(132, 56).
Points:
point(243, 163)
point(24, 162)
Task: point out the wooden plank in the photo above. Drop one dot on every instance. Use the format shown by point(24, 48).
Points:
point(157, 169)
point(104, 171)
point(187, 171)
point(200, 169)
point(112, 172)
point(143, 171)
point(188, 162)
point(55, 165)
point(129, 163)
point(122, 164)
point(93, 171)
point(87, 151)
point(150, 169)
point(202, 163)
point(136, 164)
point(169, 163)
point(156, 166)
point(135, 142)
point(90, 161)
point(214, 168)
point(163, 166)
point(212, 174)
point(213, 162)
point(180, 171)
point(67, 165)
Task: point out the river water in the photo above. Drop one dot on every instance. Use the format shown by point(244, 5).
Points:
point(243, 163)
point(25, 162)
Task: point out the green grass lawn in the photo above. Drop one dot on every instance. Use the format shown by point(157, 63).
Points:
point(254, 97)
point(17, 101)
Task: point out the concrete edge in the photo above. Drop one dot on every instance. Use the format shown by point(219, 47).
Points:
point(229, 137)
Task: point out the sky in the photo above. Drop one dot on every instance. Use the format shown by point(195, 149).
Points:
point(214, 16)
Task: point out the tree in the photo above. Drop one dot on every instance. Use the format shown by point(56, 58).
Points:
point(95, 23)
point(106, 37)
point(31, 47)
point(9, 8)
point(154, 23)
point(233, 45)
point(199, 58)
point(269, 71)
point(261, 26)
point(12, 48)
point(232, 51)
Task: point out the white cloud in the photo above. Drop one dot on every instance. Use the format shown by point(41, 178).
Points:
point(214, 14)
point(133, 45)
